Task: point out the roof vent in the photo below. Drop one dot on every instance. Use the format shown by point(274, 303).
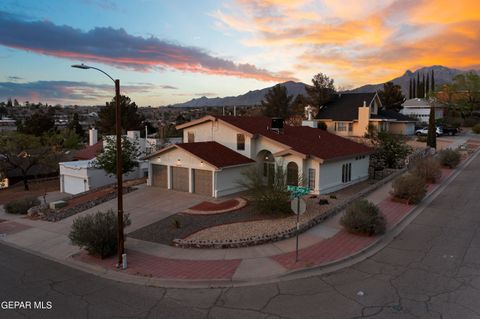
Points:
point(364, 103)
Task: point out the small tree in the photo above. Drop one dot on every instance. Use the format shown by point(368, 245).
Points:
point(74, 125)
point(107, 160)
point(432, 128)
point(390, 149)
point(22, 152)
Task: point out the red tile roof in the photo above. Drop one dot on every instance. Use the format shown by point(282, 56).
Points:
point(89, 152)
point(303, 139)
point(211, 152)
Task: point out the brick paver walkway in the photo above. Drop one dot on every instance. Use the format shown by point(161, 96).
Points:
point(153, 266)
point(11, 227)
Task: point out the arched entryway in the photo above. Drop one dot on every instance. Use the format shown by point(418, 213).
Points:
point(292, 174)
point(266, 165)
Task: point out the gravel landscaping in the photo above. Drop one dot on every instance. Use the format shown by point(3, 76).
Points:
point(182, 225)
point(241, 223)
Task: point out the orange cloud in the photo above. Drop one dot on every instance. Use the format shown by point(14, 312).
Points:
point(365, 41)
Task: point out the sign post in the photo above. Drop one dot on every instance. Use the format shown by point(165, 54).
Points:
point(298, 206)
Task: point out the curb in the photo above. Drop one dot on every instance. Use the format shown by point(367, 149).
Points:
point(344, 262)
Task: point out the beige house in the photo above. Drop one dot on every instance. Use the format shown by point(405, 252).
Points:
point(218, 149)
point(349, 114)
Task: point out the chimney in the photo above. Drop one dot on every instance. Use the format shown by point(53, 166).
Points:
point(92, 136)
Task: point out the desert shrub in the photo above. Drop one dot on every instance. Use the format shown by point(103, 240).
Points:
point(333, 196)
point(422, 139)
point(97, 233)
point(21, 206)
point(476, 128)
point(323, 201)
point(449, 158)
point(409, 187)
point(269, 195)
point(429, 169)
point(363, 217)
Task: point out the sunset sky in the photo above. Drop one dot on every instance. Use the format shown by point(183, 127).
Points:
point(171, 51)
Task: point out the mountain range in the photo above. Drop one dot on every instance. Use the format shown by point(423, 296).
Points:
point(443, 75)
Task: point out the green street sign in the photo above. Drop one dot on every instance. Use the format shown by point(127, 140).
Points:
point(298, 191)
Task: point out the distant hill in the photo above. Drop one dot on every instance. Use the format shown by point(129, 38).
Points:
point(443, 75)
point(250, 98)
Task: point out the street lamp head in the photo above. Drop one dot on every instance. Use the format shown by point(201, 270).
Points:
point(81, 66)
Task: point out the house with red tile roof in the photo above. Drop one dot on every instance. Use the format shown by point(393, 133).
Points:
point(217, 149)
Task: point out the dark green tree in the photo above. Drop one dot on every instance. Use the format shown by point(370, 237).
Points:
point(131, 119)
point(418, 94)
point(15, 103)
point(391, 96)
point(390, 149)
point(37, 124)
point(107, 160)
point(432, 128)
point(427, 87)
point(410, 89)
point(9, 103)
point(433, 82)
point(414, 86)
point(321, 91)
point(277, 102)
point(75, 126)
point(21, 152)
point(298, 105)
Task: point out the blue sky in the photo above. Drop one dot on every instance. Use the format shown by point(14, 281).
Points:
point(171, 51)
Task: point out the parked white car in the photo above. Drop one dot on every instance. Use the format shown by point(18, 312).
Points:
point(424, 131)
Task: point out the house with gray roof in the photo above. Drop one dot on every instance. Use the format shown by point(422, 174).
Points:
point(350, 114)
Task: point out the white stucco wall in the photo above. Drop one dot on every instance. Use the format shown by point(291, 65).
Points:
point(218, 132)
point(186, 160)
point(226, 180)
point(331, 174)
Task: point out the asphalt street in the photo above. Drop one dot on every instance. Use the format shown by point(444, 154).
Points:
point(431, 270)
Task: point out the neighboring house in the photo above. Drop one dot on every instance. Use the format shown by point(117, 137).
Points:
point(350, 114)
point(80, 176)
point(420, 109)
point(218, 149)
point(8, 125)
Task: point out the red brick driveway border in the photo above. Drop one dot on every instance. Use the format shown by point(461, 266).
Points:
point(211, 208)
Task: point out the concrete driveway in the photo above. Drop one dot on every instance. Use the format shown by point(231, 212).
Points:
point(147, 205)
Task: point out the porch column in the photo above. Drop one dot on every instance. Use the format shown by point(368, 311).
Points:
point(150, 174)
point(190, 180)
point(169, 177)
point(214, 183)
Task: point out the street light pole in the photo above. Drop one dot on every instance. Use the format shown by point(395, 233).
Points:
point(118, 129)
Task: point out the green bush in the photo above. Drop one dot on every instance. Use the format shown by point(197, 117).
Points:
point(21, 206)
point(409, 187)
point(363, 217)
point(429, 169)
point(97, 233)
point(471, 121)
point(476, 129)
point(449, 158)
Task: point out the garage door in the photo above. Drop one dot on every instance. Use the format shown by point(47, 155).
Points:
point(202, 181)
point(159, 177)
point(73, 185)
point(180, 179)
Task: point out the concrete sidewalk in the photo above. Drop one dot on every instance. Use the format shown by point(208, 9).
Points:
point(323, 246)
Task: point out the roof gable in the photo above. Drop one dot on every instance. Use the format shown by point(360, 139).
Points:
point(344, 107)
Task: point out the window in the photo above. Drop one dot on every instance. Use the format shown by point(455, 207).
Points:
point(240, 142)
point(341, 127)
point(311, 178)
point(292, 174)
point(346, 173)
point(191, 137)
